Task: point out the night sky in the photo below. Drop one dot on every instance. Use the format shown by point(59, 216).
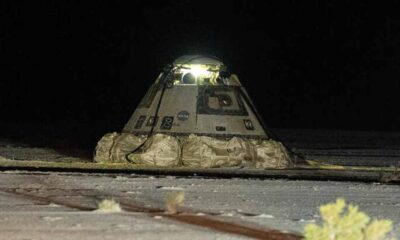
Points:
point(306, 64)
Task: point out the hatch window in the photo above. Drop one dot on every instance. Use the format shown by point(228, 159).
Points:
point(220, 100)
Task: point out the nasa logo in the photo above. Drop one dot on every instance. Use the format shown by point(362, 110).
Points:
point(183, 115)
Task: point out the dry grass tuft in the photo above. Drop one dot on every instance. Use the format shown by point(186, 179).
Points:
point(173, 200)
point(352, 224)
point(108, 205)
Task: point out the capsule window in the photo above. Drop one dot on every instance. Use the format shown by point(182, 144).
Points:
point(219, 100)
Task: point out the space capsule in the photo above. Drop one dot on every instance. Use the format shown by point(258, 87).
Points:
point(195, 114)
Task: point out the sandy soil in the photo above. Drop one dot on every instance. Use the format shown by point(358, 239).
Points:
point(277, 204)
point(266, 204)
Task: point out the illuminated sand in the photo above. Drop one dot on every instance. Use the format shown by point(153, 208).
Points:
point(259, 202)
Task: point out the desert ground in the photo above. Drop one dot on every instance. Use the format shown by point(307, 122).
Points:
point(63, 205)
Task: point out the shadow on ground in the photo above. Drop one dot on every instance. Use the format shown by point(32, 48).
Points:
point(74, 140)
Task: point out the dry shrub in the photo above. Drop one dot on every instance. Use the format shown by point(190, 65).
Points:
point(173, 200)
point(349, 225)
point(108, 205)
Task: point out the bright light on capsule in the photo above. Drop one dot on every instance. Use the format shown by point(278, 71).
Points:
point(198, 71)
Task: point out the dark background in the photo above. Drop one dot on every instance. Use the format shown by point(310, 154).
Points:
point(84, 66)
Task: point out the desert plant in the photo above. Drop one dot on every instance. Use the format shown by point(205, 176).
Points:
point(108, 205)
point(173, 200)
point(349, 225)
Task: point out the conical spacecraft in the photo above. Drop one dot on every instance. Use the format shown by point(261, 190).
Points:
point(196, 114)
point(197, 95)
